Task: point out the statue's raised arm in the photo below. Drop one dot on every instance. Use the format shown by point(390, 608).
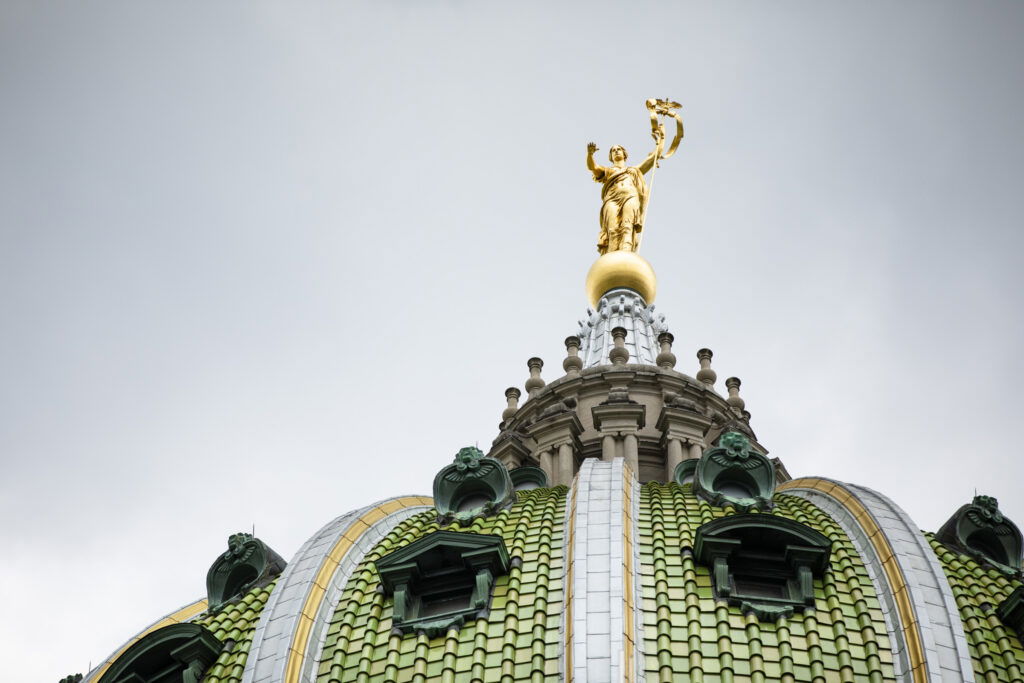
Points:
point(625, 193)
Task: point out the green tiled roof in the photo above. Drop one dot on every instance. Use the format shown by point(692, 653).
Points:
point(995, 649)
point(687, 632)
point(234, 623)
point(518, 640)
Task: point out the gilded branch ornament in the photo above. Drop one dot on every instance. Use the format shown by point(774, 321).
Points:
point(624, 192)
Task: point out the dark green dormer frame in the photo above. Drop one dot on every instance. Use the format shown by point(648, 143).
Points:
point(732, 473)
point(762, 563)
point(980, 530)
point(248, 562)
point(685, 469)
point(442, 580)
point(528, 477)
point(179, 652)
point(472, 486)
point(1011, 610)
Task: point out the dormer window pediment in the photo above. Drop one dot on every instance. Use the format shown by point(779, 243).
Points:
point(762, 563)
point(441, 580)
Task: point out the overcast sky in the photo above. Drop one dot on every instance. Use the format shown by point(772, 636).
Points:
point(263, 264)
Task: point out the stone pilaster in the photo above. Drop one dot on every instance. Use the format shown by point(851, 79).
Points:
point(683, 431)
point(621, 420)
point(558, 443)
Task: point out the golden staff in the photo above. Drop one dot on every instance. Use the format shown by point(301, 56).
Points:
point(658, 108)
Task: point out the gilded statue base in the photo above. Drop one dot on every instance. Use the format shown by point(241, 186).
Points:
point(621, 269)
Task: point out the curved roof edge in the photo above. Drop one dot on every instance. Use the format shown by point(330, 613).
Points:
point(291, 631)
point(181, 615)
point(924, 623)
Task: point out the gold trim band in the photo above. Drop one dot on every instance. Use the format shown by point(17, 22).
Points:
point(307, 617)
point(184, 614)
point(909, 624)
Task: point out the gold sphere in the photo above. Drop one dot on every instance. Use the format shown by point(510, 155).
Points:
point(621, 269)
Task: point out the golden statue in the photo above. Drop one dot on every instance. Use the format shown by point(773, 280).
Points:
point(625, 194)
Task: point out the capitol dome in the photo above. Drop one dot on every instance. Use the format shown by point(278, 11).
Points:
point(625, 524)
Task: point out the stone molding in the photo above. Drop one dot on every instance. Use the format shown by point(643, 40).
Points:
point(927, 635)
point(308, 591)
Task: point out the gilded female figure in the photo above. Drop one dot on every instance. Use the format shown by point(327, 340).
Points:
point(624, 192)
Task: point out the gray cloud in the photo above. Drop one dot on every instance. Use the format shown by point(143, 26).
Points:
point(263, 264)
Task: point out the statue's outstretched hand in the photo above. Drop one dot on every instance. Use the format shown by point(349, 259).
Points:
point(591, 148)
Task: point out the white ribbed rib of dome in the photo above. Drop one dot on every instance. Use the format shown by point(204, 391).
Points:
point(621, 308)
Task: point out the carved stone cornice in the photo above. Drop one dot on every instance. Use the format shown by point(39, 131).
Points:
point(508, 447)
point(684, 424)
point(619, 418)
point(557, 430)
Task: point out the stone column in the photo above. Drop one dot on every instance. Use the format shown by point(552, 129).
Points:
point(696, 450)
point(607, 448)
point(619, 421)
point(681, 424)
point(565, 464)
point(631, 452)
point(546, 465)
point(673, 456)
point(558, 441)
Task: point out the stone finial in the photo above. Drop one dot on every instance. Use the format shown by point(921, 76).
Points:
point(572, 363)
point(666, 359)
point(534, 384)
point(619, 355)
point(706, 374)
point(733, 385)
point(512, 395)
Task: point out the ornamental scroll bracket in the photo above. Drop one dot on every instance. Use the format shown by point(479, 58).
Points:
point(732, 473)
point(472, 486)
point(248, 563)
point(980, 530)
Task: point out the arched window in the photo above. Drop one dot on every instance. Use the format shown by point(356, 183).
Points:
point(980, 530)
point(526, 478)
point(472, 486)
point(248, 562)
point(732, 473)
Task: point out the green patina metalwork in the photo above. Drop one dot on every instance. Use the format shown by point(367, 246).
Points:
point(981, 531)
point(441, 580)
point(248, 563)
point(179, 652)
point(473, 486)
point(762, 563)
point(685, 472)
point(528, 477)
point(732, 473)
point(1011, 610)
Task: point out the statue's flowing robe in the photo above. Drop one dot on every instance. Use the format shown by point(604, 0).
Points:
point(618, 214)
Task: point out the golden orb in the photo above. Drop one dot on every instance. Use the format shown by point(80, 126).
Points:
point(621, 269)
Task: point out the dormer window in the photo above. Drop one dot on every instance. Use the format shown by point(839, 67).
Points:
point(473, 486)
point(981, 530)
point(442, 579)
point(684, 472)
point(762, 563)
point(248, 562)
point(179, 652)
point(732, 473)
point(528, 478)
